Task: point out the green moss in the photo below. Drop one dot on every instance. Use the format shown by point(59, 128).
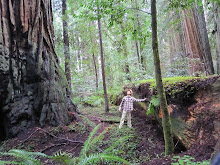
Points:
point(167, 81)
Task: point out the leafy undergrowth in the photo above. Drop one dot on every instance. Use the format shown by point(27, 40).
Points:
point(141, 145)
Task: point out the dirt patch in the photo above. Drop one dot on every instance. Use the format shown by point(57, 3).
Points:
point(152, 143)
point(149, 150)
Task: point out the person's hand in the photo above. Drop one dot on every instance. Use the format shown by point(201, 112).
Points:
point(119, 109)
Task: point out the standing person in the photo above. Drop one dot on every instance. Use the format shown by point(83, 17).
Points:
point(127, 106)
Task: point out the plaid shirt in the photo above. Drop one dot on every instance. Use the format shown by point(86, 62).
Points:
point(127, 103)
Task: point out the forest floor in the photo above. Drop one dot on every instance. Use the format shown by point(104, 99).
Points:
point(144, 146)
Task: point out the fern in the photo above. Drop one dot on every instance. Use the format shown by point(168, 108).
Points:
point(87, 144)
point(119, 141)
point(95, 158)
point(24, 157)
point(27, 158)
point(153, 103)
point(62, 157)
point(2, 162)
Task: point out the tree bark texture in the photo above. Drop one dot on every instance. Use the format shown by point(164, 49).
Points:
point(102, 64)
point(217, 33)
point(203, 39)
point(33, 86)
point(169, 146)
point(66, 45)
point(192, 46)
point(196, 42)
point(176, 45)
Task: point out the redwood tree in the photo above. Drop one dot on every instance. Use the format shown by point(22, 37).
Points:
point(169, 146)
point(33, 86)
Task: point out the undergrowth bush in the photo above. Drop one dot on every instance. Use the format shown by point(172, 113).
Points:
point(125, 146)
point(188, 160)
point(86, 155)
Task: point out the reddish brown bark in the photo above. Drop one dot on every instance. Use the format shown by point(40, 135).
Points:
point(192, 46)
point(33, 86)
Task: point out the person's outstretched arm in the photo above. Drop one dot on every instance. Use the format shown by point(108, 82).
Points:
point(122, 103)
point(138, 100)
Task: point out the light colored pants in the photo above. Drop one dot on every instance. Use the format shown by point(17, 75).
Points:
point(123, 119)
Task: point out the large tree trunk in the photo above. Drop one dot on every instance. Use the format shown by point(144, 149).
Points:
point(192, 46)
point(203, 39)
point(33, 86)
point(217, 33)
point(176, 47)
point(169, 146)
point(102, 65)
point(66, 45)
point(196, 42)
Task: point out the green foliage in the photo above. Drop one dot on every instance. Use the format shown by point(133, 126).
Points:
point(86, 157)
point(81, 128)
point(123, 143)
point(155, 102)
point(188, 160)
point(62, 158)
point(23, 157)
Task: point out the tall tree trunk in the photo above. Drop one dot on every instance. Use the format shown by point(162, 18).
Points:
point(125, 51)
point(192, 46)
point(169, 146)
point(143, 60)
point(196, 42)
point(217, 33)
point(176, 46)
point(203, 39)
point(136, 37)
point(78, 55)
point(102, 64)
point(96, 72)
point(33, 86)
point(66, 45)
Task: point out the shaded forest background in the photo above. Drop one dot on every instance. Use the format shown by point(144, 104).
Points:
point(188, 42)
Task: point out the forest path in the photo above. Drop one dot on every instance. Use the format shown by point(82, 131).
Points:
point(144, 146)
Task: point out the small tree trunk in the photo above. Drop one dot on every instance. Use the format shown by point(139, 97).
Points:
point(169, 146)
point(96, 72)
point(66, 45)
point(102, 64)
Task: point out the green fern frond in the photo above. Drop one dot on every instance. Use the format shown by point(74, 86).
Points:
point(25, 157)
point(95, 158)
point(87, 145)
point(61, 157)
point(2, 162)
point(119, 141)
